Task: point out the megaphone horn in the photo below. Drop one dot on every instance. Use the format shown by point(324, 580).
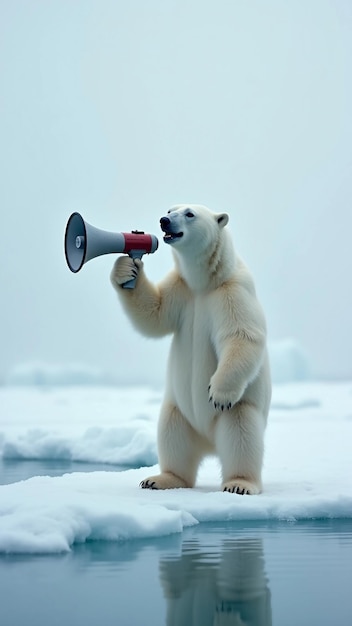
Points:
point(84, 242)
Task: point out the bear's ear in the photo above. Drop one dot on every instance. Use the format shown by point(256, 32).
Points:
point(222, 219)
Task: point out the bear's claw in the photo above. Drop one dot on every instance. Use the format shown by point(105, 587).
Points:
point(241, 491)
point(146, 484)
point(221, 406)
point(165, 480)
point(241, 487)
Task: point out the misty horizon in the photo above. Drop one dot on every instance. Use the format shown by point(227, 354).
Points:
point(119, 111)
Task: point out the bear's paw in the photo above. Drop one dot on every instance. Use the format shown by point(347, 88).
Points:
point(124, 270)
point(166, 480)
point(241, 486)
point(222, 400)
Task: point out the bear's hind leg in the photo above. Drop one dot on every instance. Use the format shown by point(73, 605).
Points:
point(239, 438)
point(180, 451)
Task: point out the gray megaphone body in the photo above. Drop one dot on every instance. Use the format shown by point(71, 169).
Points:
point(84, 242)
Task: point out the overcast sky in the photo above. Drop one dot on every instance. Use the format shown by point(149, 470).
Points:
point(121, 109)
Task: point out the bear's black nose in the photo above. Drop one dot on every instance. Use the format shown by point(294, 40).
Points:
point(164, 223)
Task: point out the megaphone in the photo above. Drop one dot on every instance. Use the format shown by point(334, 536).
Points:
point(84, 242)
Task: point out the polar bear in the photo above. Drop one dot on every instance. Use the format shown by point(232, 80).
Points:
point(218, 386)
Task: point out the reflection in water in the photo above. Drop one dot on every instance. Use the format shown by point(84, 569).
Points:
point(227, 586)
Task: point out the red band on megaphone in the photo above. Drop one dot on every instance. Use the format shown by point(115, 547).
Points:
point(135, 241)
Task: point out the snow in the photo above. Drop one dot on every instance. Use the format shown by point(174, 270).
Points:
point(95, 424)
point(307, 473)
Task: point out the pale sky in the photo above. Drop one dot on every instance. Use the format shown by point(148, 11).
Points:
point(119, 110)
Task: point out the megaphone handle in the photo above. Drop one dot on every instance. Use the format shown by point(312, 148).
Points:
point(130, 284)
point(134, 254)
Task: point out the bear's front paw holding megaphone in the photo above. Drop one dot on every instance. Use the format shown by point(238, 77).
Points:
point(125, 269)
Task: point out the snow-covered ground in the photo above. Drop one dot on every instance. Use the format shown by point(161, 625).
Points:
point(307, 474)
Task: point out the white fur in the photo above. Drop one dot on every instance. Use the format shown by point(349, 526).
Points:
point(218, 384)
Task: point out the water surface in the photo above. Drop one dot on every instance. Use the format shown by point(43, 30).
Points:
point(14, 470)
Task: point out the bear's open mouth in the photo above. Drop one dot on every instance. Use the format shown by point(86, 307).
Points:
point(170, 237)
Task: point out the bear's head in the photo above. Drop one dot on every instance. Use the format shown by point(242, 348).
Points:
point(192, 227)
point(202, 247)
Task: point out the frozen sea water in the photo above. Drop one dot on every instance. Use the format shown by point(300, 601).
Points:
point(81, 544)
point(307, 471)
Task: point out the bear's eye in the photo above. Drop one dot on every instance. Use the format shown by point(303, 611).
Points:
point(189, 214)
